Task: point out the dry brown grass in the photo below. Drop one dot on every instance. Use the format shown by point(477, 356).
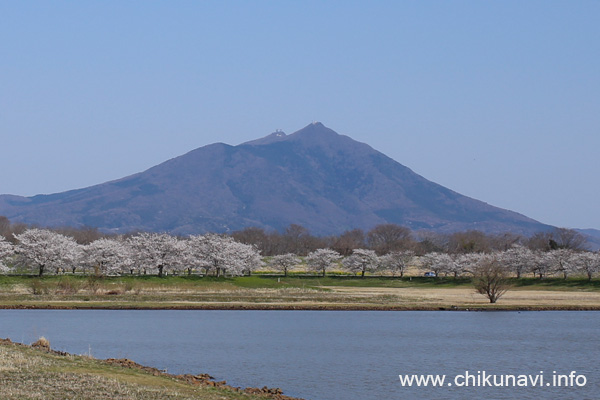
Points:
point(291, 293)
point(28, 374)
point(467, 297)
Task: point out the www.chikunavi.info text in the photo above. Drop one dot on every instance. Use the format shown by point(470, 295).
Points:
point(484, 379)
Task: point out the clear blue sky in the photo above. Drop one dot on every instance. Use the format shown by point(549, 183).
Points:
point(497, 100)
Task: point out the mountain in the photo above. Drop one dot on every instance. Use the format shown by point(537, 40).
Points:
point(314, 177)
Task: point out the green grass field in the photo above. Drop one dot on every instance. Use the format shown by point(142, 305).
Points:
point(272, 291)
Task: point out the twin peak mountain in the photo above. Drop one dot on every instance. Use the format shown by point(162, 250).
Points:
point(316, 178)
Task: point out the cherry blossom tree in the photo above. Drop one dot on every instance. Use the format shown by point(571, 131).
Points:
point(248, 256)
point(561, 260)
point(518, 259)
point(6, 250)
point(464, 263)
point(361, 260)
point(322, 259)
point(542, 264)
point(222, 254)
point(439, 263)
point(587, 263)
point(397, 261)
point(108, 256)
point(158, 251)
point(45, 249)
point(284, 262)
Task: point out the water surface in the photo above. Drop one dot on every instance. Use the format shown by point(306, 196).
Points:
point(334, 354)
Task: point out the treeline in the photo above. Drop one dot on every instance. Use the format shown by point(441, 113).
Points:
point(382, 239)
point(387, 238)
point(386, 249)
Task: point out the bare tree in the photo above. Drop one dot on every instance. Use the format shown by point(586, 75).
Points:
point(389, 237)
point(254, 236)
point(540, 241)
point(431, 242)
point(559, 238)
point(490, 279)
point(469, 242)
point(5, 227)
point(568, 239)
point(348, 241)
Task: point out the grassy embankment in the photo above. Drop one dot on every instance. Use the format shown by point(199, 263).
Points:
point(32, 373)
point(293, 292)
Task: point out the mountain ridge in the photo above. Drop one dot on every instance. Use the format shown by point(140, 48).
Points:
point(313, 177)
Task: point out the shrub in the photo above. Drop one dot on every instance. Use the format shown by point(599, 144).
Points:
point(93, 283)
point(41, 343)
point(37, 287)
point(67, 286)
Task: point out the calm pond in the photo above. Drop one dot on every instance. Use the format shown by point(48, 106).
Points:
point(327, 355)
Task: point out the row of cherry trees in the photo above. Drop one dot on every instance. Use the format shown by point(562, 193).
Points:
point(148, 253)
point(516, 261)
point(46, 251)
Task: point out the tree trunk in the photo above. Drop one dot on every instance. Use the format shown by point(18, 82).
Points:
point(41, 270)
point(160, 271)
point(362, 273)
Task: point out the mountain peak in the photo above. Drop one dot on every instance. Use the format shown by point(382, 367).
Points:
point(314, 177)
point(314, 131)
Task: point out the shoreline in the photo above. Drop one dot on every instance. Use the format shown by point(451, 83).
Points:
point(203, 379)
point(253, 307)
